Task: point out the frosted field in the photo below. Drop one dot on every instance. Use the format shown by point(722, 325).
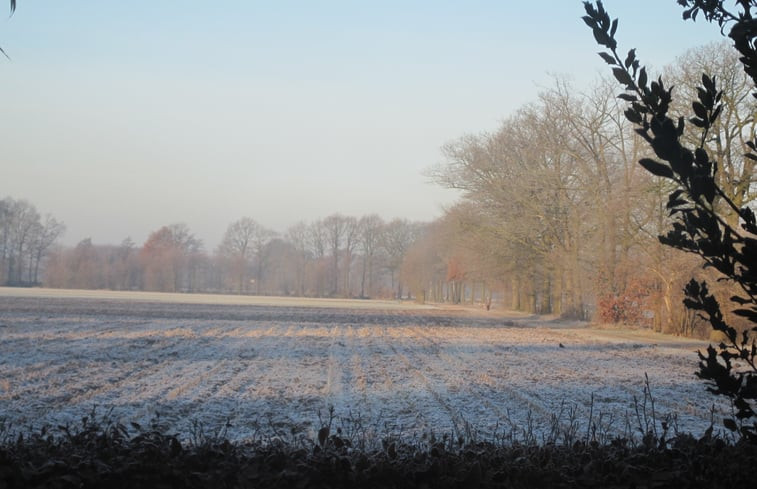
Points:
point(269, 366)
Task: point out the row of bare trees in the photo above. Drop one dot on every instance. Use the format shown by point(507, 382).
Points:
point(557, 213)
point(338, 256)
point(557, 193)
point(556, 217)
point(25, 239)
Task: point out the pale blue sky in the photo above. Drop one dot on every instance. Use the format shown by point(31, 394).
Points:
point(120, 117)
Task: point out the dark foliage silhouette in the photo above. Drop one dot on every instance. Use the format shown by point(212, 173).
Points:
point(13, 9)
point(698, 204)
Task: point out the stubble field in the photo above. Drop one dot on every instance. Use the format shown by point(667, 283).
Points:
point(273, 367)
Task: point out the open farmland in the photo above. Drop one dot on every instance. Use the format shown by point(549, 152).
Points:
point(270, 366)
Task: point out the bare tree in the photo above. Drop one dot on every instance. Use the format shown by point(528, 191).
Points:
point(103, 266)
point(5, 239)
point(46, 235)
point(245, 246)
point(530, 187)
point(86, 268)
point(351, 241)
point(126, 273)
point(237, 247)
point(317, 239)
point(398, 235)
point(727, 139)
point(425, 263)
point(22, 224)
point(335, 226)
point(261, 250)
point(297, 235)
point(166, 257)
point(370, 237)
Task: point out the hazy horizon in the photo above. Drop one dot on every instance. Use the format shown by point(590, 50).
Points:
point(121, 118)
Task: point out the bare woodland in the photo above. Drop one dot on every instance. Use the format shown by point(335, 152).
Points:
point(338, 256)
point(556, 217)
point(556, 202)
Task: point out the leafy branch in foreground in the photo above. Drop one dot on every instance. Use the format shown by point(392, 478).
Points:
point(13, 9)
point(699, 203)
point(742, 32)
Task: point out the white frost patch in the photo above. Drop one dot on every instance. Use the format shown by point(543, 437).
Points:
point(401, 375)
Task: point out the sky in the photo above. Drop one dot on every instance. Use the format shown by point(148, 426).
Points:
point(121, 117)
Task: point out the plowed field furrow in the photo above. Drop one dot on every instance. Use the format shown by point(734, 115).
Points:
point(116, 379)
point(481, 398)
point(206, 385)
point(28, 372)
point(487, 406)
point(50, 382)
point(333, 391)
point(271, 370)
point(429, 393)
point(287, 368)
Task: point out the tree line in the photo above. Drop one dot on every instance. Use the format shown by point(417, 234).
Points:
point(557, 212)
point(338, 256)
point(556, 217)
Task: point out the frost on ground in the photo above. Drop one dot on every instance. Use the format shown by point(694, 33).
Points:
point(269, 370)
